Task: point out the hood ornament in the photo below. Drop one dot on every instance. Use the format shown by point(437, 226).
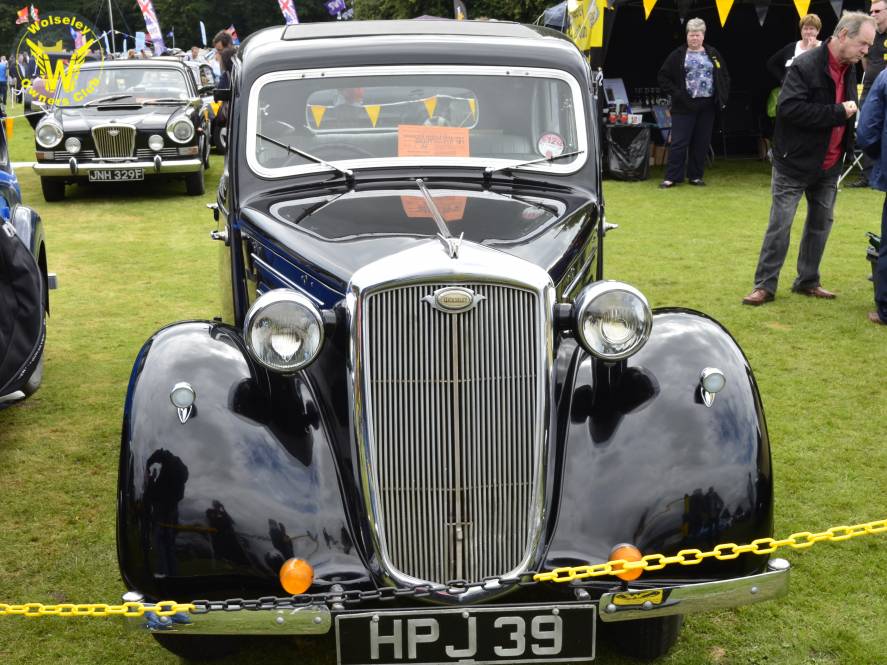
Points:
point(451, 244)
point(454, 299)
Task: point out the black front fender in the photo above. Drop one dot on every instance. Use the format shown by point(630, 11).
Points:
point(645, 461)
point(212, 506)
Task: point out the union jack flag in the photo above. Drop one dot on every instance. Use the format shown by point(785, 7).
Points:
point(288, 9)
point(22, 16)
point(152, 25)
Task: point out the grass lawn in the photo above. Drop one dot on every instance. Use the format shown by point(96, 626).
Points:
point(131, 261)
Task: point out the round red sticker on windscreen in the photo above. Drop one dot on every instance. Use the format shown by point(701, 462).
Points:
point(550, 145)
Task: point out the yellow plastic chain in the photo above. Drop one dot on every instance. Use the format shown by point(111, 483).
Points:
point(691, 557)
point(688, 557)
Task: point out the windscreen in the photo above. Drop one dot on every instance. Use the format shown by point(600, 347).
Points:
point(450, 117)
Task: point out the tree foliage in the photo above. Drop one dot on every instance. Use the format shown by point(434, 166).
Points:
point(524, 11)
point(179, 16)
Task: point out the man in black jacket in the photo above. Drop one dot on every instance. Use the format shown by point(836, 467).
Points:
point(814, 127)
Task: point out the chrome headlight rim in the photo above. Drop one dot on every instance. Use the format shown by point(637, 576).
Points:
point(261, 305)
point(594, 291)
point(179, 122)
point(56, 127)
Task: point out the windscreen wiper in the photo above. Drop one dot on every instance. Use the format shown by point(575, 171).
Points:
point(451, 244)
point(348, 173)
point(490, 170)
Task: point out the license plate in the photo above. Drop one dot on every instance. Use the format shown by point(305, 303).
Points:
point(116, 175)
point(476, 635)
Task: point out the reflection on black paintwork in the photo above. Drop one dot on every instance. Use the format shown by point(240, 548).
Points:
point(165, 478)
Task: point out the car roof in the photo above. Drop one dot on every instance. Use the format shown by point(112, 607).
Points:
point(344, 43)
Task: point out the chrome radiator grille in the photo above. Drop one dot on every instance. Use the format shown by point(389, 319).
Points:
point(452, 404)
point(114, 141)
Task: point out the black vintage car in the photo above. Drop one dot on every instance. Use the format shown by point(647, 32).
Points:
point(127, 120)
point(423, 386)
point(24, 287)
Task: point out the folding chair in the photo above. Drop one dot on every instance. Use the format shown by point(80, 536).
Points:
point(856, 163)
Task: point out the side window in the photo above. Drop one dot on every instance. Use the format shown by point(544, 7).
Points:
point(4, 152)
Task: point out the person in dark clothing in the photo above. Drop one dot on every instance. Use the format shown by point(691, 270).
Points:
point(873, 64)
point(779, 62)
point(697, 79)
point(814, 129)
point(871, 136)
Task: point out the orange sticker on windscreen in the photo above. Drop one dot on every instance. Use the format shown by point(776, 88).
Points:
point(430, 141)
point(452, 208)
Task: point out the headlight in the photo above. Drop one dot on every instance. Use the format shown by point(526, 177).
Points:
point(155, 142)
point(49, 134)
point(613, 320)
point(180, 130)
point(283, 331)
point(72, 145)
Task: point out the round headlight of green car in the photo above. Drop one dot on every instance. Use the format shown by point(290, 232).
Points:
point(180, 130)
point(283, 331)
point(613, 319)
point(49, 134)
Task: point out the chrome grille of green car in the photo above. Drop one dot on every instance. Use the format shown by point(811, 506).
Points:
point(452, 404)
point(114, 141)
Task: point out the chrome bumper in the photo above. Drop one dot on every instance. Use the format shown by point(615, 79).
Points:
point(75, 168)
point(702, 597)
point(613, 606)
point(308, 620)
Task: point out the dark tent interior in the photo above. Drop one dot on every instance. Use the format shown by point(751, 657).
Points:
point(634, 49)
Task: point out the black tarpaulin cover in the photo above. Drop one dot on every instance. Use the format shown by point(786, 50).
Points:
point(22, 330)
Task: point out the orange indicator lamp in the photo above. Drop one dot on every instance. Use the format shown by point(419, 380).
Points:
point(296, 575)
point(626, 552)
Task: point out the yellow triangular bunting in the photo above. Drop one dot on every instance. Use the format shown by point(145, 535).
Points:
point(648, 7)
point(216, 106)
point(472, 104)
point(802, 6)
point(430, 105)
point(597, 30)
point(373, 112)
point(724, 7)
point(317, 112)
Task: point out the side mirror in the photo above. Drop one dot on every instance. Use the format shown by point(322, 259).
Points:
point(222, 94)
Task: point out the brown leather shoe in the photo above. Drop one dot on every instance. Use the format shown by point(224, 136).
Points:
point(875, 318)
point(816, 292)
point(758, 297)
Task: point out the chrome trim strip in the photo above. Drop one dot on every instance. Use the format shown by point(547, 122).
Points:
point(169, 166)
point(308, 620)
point(367, 73)
point(426, 266)
point(283, 278)
point(702, 597)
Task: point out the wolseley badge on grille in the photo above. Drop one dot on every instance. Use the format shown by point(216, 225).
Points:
point(454, 299)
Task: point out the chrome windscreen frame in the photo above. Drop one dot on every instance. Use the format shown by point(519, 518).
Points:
point(424, 264)
point(554, 168)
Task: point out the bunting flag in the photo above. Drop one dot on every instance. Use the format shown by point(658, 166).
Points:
point(803, 7)
point(373, 112)
point(335, 7)
point(288, 9)
point(459, 10)
point(22, 16)
point(317, 112)
point(837, 7)
point(430, 105)
point(231, 31)
point(597, 28)
point(724, 7)
point(648, 7)
point(152, 25)
point(762, 13)
point(35, 14)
